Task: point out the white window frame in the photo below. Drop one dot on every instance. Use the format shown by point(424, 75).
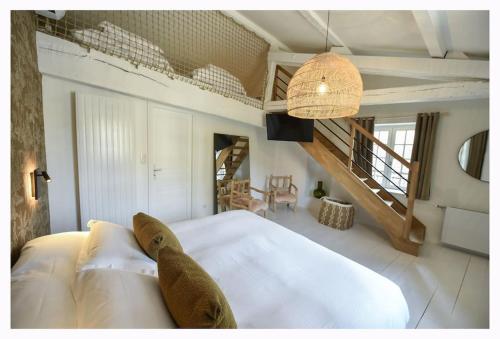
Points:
point(391, 128)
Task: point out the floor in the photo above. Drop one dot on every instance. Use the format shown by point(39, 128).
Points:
point(444, 287)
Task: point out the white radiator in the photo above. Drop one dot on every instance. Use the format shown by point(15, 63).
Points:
point(466, 229)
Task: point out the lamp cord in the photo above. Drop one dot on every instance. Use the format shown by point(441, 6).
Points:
point(327, 25)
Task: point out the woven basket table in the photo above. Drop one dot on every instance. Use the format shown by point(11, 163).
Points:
point(335, 213)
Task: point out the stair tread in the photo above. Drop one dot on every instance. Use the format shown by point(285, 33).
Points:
point(363, 179)
point(416, 237)
point(375, 190)
point(389, 202)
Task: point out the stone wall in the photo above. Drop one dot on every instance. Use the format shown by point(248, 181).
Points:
point(29, 217)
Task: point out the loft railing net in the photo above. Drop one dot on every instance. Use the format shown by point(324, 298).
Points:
point(205, 48)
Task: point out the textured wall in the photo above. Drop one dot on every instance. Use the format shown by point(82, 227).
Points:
point(29, 217)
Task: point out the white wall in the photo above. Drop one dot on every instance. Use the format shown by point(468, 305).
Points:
point(450, 185)
point(266, 157)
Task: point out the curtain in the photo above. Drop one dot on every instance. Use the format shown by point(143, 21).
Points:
point(363, 147)
point(477, 149)
point(423, 149)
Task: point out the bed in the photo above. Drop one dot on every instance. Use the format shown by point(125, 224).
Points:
point(271, 277)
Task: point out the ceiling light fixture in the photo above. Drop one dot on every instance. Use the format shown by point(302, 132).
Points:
point(327, 86)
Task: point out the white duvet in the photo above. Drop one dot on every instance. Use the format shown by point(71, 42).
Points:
point(271, 277)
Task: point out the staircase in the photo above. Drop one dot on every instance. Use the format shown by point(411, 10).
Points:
point(230, 159)
point(337, 151)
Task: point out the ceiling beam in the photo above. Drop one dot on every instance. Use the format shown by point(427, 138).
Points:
point(417, 68)
point(431, 28)
point(315, 20)
point(275, 43)
point(450, 91)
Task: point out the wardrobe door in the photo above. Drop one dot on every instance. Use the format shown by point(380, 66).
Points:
point(107, 158)
point(170, 148)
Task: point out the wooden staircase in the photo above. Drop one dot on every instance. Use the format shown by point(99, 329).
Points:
point(232, 157)
point(405, 231)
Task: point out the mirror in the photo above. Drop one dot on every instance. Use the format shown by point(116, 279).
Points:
point(473, 156)
point(231, 161)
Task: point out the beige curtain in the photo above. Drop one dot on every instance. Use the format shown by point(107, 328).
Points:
point(362, 145)
point(477, 149)
point(423, 149)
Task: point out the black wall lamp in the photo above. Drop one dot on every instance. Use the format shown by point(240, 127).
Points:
point(35, 181)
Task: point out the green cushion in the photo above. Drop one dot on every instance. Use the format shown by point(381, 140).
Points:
point(152, 235)
point(191, 295)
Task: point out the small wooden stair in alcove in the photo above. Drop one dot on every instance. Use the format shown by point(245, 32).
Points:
point(230, 159)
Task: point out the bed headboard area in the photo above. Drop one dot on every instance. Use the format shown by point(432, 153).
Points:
point(29, 216)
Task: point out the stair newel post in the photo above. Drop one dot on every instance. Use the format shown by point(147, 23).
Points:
point(351, 146)
point(412, 191)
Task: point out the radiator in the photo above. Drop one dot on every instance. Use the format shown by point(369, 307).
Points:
point(466, 229)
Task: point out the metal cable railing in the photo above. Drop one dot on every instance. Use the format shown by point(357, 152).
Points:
point(368, 149)
point(363, 158)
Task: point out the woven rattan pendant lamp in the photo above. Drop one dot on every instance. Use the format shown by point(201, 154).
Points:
point(327, 86)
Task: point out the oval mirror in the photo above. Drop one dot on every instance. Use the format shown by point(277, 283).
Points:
point(473, 156)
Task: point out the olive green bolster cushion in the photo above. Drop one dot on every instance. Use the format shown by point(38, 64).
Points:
point(152, 235)
point(191, 295)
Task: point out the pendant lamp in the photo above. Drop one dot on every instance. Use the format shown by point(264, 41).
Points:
point(327, 86)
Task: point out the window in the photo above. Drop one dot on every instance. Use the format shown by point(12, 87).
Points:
point(398, 137)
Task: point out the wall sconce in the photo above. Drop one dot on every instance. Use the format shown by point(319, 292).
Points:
point(35, 181)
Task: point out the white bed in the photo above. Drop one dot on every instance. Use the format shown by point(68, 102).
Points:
point(271, 277)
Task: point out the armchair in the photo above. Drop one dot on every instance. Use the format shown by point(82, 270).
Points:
point(223, 194)
point(282, 191)
point(241, 197)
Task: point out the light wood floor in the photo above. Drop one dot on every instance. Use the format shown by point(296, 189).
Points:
point(444, 287)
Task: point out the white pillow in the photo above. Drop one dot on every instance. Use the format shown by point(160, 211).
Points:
point(219, 78)
point(119, 299)
point(112, 246)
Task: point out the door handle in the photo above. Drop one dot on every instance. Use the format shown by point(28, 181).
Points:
point(155, 170)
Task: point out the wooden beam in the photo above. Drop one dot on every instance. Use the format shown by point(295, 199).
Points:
point(418, 68)
point(430, 25)
point(315, 20)
point(275, 43)
point(271, 74)
point(450, 91)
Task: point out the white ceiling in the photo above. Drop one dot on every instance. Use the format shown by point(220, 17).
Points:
point(377, 32)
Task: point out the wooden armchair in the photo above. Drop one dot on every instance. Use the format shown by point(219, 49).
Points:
point(282, 191)
point(223, 194)
point(241, 197)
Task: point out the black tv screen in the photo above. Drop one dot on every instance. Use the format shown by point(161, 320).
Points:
point(281, 126)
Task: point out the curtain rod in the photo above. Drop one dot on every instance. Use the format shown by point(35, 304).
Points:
point(398, 116)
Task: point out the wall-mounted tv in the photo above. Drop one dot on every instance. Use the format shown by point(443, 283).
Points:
point(281, 126)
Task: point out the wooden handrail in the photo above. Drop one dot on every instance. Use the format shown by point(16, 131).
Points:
point(412, 173)
point(379, 143)
point(222, 157)
point(281, 69)
point(351, 148)
point(412, 191)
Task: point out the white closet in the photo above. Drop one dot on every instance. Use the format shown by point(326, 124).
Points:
point(169, 144)
point(132, 157)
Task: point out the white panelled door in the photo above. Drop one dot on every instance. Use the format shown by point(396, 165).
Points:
point(170, 146)
point(106, 131)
